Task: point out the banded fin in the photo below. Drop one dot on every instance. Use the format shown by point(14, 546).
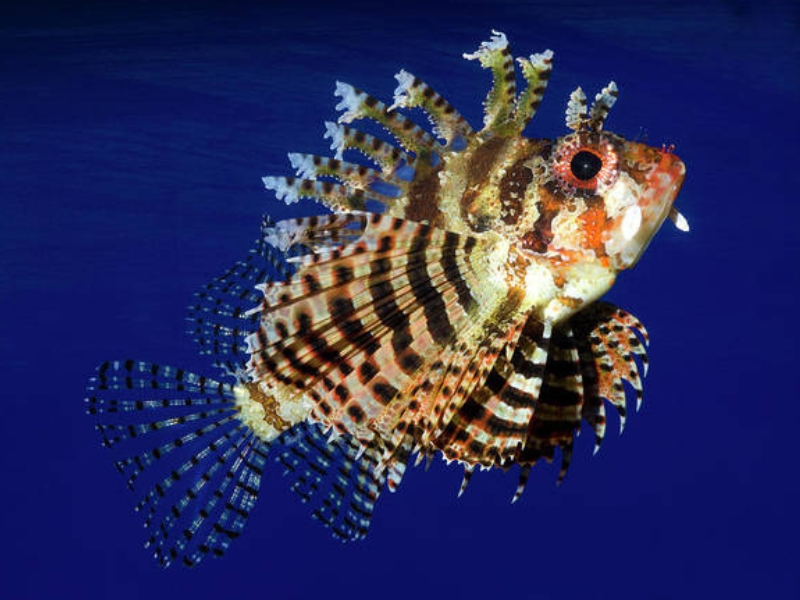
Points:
point(336, 196)
point(338, 479)
point(322, 234)
point(357, 104)
point(601, 106)
point(447, 123)
point(580, 119)
point(610, 349)
point(505, 113)
point(309, 166)
point(221, 315)
point(491, 426)
point(590, 356)
point(176, 434)
point(395, 467)
point(469, 469)
point(524, 473)
point(536, 72)
point(354, 326)
point(495, 54)
point(558, 412)
point(576, 110)
point(389, 158)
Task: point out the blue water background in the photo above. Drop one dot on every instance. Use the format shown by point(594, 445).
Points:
point(132, 142)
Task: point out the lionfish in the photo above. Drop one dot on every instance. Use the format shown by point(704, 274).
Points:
point(448, 302)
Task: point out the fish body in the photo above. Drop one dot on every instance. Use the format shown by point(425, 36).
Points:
point(492, 235)
point(449, 303)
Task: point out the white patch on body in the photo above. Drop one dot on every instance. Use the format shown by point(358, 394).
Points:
point(631, 222)
point(624, 193)
point(540, 285)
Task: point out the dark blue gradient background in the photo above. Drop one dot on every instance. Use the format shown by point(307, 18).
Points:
point(132, 142)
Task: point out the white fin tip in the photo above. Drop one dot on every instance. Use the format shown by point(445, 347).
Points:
point(498, 42)
point(678, 219)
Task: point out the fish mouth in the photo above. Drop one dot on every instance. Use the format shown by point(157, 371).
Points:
point(656, 205)
point(670, 174)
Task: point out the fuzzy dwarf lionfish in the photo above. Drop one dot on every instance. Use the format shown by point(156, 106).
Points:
point(449, 302)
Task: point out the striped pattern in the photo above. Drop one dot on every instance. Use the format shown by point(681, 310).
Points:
point(357, 104)
point(221, 317)
point(175, 436)
point(616, 342)
point(339, 479)
point(491, 425)
point(316, 235)
point(390, 158)
point(337, 197)
point(500, 102)
point(590, 357)
point(536, 72)
point(309, 166)
point(412, 92)
point(601, 106)
point(419, 317)
point(558, 412)
point(579, 118)
point(576, 110)
point(356, 328)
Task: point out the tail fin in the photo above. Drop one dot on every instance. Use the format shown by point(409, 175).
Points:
point(177, 438)
point(179, 443)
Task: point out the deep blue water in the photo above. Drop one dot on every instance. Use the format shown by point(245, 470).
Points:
point(132, 142)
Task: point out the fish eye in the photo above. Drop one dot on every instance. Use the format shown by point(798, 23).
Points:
point(585, 165)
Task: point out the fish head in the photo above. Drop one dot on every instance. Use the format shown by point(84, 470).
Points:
point(610, 195)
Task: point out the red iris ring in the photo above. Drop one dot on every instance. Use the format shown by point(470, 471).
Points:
point(569, 148)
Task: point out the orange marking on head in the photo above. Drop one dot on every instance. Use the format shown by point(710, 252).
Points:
point(594, 225)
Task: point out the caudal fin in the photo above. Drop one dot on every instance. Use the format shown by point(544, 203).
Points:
point(179, 443)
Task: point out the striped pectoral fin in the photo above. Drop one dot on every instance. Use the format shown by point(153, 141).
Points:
point(338, 478)
point(612, 341)
point(355, 327)
point(357, 360)
point(499, 107)
point(178, 435)
point(491, 425)
point(558, 412)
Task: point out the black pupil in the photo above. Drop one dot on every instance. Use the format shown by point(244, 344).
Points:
point(585, 165)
